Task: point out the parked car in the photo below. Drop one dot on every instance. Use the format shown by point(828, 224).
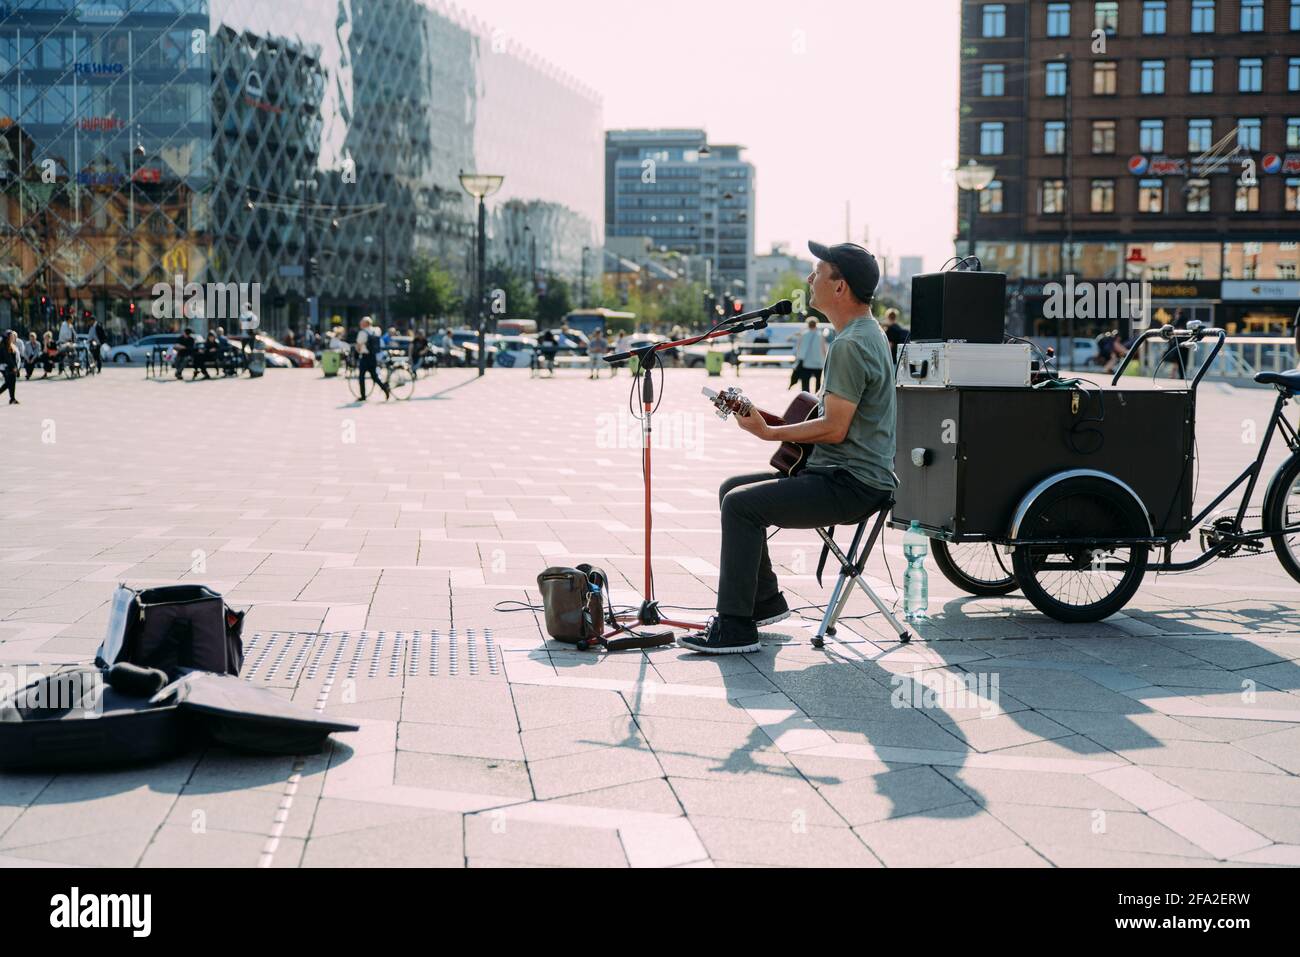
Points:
point(515, 352)
point(141, 349)
point(298, 358)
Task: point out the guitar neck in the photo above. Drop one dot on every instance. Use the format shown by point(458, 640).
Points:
point(769, 418)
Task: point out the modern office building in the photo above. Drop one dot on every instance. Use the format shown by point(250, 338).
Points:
point(1152, 140)
point(909, 266)
point(310, 146)
point(687, 195)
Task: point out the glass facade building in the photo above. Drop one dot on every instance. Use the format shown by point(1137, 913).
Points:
point(309, 146)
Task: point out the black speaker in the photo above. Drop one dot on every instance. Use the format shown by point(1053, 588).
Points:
point(957, 305)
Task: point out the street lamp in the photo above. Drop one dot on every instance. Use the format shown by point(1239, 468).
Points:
point(585, 250)
point(974, 178)
point(481, 186)
point(383, 274)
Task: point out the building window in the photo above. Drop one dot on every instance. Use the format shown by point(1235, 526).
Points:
point(1056, 79)
point(1051, 199)
point(1151, 136)
point(1250, 75)
point(1202, 16)
point(1252, 16)
point(1293, 133)
point(1103, 137)
point(1286, 270)
point(1104, 79)
point(1200, 135)
point(1153, 16)
point(1201, 79)
point(1105, 16)
point(993, 78)
point(1247, 202)
point(991, 197)
point(1058, 19)
point(995, 19)
point(1153, 77)
point(1295, 14)
point(1192, 269)
point(1248, 135)
point(991, 138)
point(1103, 196)
point(1198, 196)
point(1151, 196)
point(1293, 195)
point(1158, 273)
point(1293, 74)
point(1054, 137)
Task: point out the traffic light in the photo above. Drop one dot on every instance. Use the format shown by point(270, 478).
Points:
point(130, 310)
point(313, 267)
point(737, 306)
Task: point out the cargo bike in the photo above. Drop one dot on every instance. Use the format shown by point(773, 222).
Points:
point(1068, 490)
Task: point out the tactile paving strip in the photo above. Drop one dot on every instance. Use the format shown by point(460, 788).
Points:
point(432, 653)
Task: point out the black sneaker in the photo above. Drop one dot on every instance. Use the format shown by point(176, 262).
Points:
point(771, 611)
point(725, 635)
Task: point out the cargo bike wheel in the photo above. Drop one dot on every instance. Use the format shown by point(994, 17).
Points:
point(1282, 515)
point(1073, 581)
point(975, 567)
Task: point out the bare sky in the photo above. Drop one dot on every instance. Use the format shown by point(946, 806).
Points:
point(837, 100)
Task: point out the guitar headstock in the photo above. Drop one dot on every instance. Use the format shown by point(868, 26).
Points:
point(727, 401)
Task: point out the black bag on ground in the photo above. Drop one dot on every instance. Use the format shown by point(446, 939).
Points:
point(177, 627)
point(86, 717)
point(574, 602)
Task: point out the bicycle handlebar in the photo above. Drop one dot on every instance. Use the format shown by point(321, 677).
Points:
point(1194, 332)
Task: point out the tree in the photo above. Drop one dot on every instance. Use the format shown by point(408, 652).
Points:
point(790, 285)
point(554, 304)
point(433, 292)
point(515, 299)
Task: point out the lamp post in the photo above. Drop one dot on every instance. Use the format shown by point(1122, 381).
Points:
point(383, 275)
point(583, 298)
point(481, 186)
point(973, 178)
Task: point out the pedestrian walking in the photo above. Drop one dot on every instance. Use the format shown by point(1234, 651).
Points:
point(622, 344)
point(368, 346)
point(98, 339)
point(895, 333)
point(596, 349)
point(809, 357)
point(11, 359)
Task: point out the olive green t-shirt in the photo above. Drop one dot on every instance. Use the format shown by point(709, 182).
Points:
point(858, 368)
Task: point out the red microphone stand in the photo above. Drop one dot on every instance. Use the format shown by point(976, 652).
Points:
point(648, 613)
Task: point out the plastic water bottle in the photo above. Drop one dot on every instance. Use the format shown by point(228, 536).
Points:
point(916, 587)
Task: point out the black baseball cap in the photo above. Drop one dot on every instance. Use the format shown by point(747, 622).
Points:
point(856, 265)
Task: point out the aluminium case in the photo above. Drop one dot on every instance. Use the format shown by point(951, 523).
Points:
point(942, 364)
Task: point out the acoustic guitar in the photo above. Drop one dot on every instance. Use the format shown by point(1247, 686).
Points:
point(791, 456)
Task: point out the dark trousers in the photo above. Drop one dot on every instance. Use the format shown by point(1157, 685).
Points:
point(10, 382)
point(803, 373)
point(368, 365)
point(751, 504)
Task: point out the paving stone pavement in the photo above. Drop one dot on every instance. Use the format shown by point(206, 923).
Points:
point(371, 544)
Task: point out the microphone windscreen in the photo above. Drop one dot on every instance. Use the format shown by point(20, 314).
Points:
point(136, 681)
point(782, 308)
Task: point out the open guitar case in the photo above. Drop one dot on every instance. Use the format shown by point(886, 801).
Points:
point(165, 679)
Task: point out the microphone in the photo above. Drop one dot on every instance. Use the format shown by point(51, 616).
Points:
point(781, 308)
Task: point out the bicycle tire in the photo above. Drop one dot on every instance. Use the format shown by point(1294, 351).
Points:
point(1281, 510)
